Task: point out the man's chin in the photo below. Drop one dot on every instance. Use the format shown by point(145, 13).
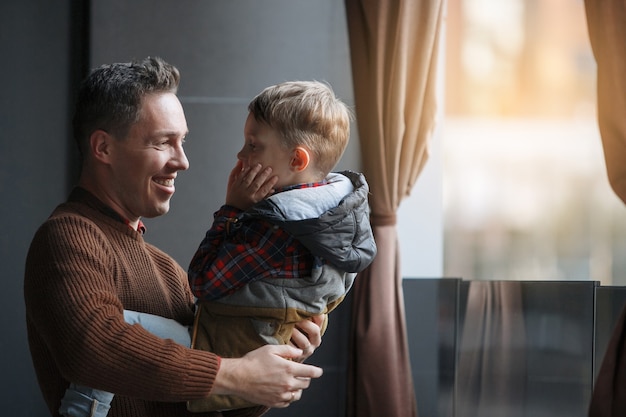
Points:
point(158, 211)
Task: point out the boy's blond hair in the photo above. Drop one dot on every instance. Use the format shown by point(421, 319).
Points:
point(306, 113)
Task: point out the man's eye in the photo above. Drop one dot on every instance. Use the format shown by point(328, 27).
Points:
point(160, 146)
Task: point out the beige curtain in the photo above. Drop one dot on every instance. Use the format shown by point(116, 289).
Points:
point(394, 46)
point(606, 22)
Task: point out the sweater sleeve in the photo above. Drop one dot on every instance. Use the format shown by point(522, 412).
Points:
point(72, 284)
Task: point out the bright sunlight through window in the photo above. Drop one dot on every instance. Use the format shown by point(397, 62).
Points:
point(526, 195)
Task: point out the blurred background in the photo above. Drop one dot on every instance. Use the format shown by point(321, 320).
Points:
point(525, 192)
point(515, 192)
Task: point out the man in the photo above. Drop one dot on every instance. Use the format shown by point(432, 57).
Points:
point(88, 263)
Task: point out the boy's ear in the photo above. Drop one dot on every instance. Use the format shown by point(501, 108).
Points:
point(300, 159)
point(100, 145)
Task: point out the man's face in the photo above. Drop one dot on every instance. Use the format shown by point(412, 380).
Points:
point(262, 145)
point(145, 163)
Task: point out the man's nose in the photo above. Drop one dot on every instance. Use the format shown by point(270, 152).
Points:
point(180, 160)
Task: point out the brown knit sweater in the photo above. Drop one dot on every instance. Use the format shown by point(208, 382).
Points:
point(83, 268)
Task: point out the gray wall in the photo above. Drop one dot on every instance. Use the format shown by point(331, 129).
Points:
point(34, 167)
point(227, 51)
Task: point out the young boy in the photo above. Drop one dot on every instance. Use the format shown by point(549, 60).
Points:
point(293, 251)
point(273, 256)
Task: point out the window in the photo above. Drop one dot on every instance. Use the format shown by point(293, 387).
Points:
point(526, 195)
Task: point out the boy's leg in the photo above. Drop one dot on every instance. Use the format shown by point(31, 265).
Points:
point(82, 401)
point(160, 326)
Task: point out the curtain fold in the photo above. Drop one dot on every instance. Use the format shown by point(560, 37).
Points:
point(607, 33)
point(394, 48)
point(492, 356)
point(606, 23)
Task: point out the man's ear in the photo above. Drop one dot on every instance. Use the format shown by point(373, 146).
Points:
point(300, 159)
point(100, 145)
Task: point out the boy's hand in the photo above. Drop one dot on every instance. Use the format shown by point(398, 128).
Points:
point(249, 186)
point(307, 335)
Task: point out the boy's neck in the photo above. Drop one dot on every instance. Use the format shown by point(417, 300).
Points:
point(302, 179)
point(305, 178)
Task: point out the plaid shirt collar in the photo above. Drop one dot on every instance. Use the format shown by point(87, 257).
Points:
point(299, 186)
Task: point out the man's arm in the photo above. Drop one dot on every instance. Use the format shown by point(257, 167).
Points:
point(66, 312)
point(265, 377)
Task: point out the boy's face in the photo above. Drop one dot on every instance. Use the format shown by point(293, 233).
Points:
point(262, 145)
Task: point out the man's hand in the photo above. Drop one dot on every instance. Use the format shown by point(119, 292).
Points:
point(265, 376)
point(307, 336)
point(249, 186)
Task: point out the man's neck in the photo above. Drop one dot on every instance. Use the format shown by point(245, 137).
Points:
point(101, 194)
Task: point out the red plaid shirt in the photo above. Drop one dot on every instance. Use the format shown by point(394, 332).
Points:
point(231, 256)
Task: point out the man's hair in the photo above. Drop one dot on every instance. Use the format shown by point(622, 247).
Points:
point(306, 113)
point(110, 97)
